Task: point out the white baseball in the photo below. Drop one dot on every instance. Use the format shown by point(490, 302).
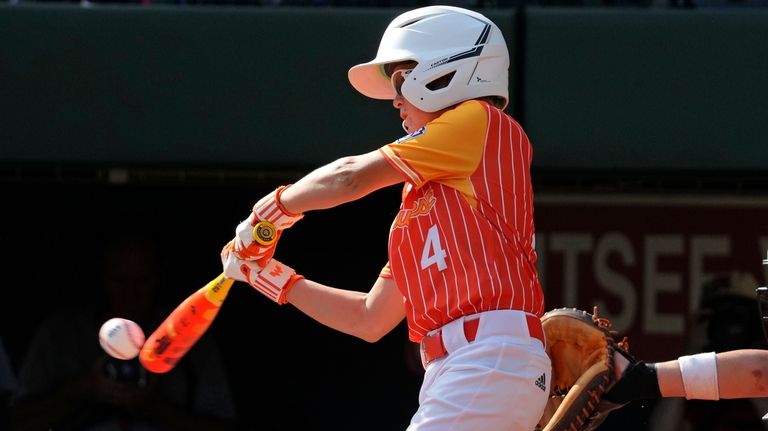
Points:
point(121, 338)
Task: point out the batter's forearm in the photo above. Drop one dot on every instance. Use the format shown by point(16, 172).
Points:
point(344, 180)
point(342, 310)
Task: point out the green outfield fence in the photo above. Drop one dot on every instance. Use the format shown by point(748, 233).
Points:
point(266, 87)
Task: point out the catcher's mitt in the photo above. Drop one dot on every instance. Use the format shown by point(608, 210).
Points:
point(582, 348)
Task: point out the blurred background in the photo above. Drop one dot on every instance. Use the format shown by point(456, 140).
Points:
point(135, 135)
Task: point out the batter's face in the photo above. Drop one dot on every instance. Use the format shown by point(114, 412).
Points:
point(413, 117)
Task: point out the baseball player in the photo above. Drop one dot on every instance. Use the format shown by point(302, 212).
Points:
point(732, 364)
point(462, 263)
point(593, 374)
point(741, 373)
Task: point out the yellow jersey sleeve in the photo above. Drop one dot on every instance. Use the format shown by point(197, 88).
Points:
point(447, 150)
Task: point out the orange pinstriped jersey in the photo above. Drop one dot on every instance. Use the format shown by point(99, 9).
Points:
point(463, 240)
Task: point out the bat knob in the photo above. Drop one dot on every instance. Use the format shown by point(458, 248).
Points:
point(264, 233)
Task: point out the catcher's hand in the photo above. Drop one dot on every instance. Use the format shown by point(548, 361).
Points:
point(582, 348)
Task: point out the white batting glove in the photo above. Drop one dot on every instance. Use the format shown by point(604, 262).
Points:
point(274, 280)
point(268, 209)
point(246, 248)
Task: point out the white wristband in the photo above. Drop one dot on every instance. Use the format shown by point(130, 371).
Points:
point(699, 373)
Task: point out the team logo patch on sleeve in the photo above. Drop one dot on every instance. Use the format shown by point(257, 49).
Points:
point(412, 135)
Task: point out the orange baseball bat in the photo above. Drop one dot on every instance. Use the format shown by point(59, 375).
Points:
point(192, 318)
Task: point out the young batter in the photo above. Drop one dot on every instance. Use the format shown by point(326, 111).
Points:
point(462, 263)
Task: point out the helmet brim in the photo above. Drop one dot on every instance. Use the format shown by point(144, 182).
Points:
point(371, 80)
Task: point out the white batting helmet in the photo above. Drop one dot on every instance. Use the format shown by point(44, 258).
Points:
point(443, 40)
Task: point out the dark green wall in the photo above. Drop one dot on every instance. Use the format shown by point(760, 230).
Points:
point(189, 85)
point(185, 85)
point(648, 89)
point(267, 86)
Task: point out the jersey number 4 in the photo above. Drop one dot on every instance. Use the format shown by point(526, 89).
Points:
point(433, 253)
